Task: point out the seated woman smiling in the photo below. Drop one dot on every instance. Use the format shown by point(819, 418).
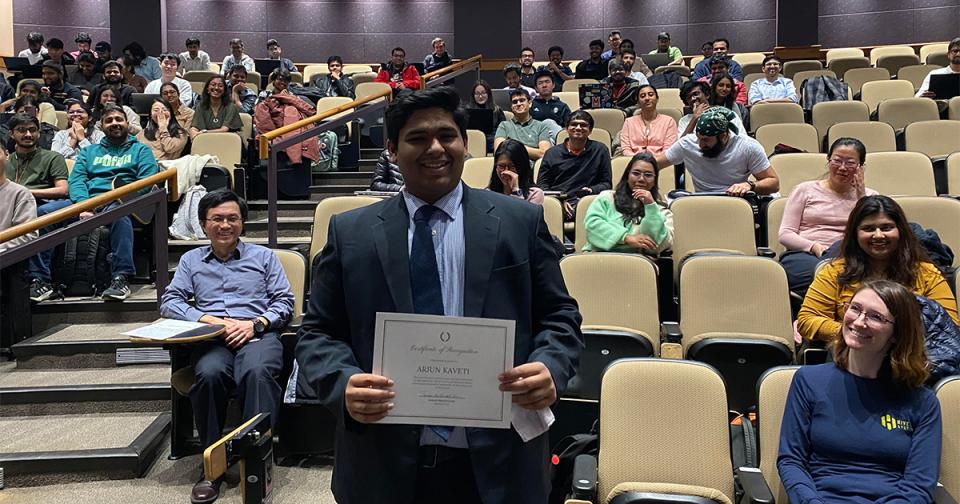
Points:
point(864, 429)
point(877, 244)
point(633, 216)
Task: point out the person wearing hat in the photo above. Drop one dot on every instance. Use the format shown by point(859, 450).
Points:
point(84, 42)
point(104, 54)
point(663, 46)
point(720, 160)
point(55, 90)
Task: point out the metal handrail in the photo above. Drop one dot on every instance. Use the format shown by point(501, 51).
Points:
point(459, 67)
point(283, 130)
point(169, 176)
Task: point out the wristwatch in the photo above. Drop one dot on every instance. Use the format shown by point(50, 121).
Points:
point(753, 185)
point(258, 326)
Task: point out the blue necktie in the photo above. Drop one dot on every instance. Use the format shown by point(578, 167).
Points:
point(425, 278)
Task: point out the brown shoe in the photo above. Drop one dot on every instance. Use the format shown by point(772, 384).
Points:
point(205, 491)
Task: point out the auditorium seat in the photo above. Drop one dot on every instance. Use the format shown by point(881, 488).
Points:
point(841, 66)
point(70, 163)
point(573, 85)
point(254, 78)
point(937, 213)
point(310, 71)
point(571, 98)
point(580, 236)
point(774, 113)
point(790, 68)
point(857, 77)
point(477, 172)
point(617, 292)
point(553, 216)
point(331, 102)
point(667, 181)
point(327, 208)
point(246, 130)
point(721, 299)
point(953, 173)
point(599, 134)
point(915, 74)
point(872, 93)
point(360, 78)
point(48, 114)
point(894, 62)
point(899, 112)
point(953, 108)
point(296, 77)
point(618, 165)
point(536, 169)
point(938, 58)
point(711, 223)
point(199, 75)
point(772, 392)
point(610, 120)
point(227, 146)
point(197, 88)
point(675, 113)
point(876, 136)
point(795, 168)
point(936, 138)
point(928, 49)
point(678, 69)
point(843, 52)
point(948, 393)
point(366, 89)
point(670, 97)
point(750, 68)
point(20, 84)
point(477, 143)
point(61, 119)
point(664, 437)
point(694, 60)
point(826, 114)
point(899, 173)
point(774, 211)
point(803, 75)
point(749, 78)
point(799, 135)
point(355, 68)
point(747, 58)
point(214, 67)
point(893, 50)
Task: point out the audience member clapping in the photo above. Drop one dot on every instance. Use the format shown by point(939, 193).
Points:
point(80, 132)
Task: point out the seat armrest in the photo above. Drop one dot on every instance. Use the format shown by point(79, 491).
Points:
point(240, 180)
point(670, 341)
point(942, 496)
point(766, 252)
point(584, 478)
point(293, 326)
point(755, 489)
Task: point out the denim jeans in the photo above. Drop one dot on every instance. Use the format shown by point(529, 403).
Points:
point(121, 244)
point(39, 265)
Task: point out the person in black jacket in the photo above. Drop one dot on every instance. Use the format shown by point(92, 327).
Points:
point(334, 83)
point(439, 58)
point(386, 175)
point(55, 89)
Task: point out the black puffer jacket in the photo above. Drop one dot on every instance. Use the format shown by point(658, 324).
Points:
point(386, 175)
point(943, 340)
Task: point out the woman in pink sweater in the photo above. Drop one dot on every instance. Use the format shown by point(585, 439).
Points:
point(647, 130)
point(817, 212)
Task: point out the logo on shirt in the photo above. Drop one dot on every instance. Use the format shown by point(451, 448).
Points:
point(114, 161)
point(890, 423)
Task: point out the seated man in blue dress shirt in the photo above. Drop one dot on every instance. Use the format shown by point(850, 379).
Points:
point(773, 87)
point(243, 287)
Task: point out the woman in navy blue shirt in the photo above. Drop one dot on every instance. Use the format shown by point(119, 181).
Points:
point(864, 429)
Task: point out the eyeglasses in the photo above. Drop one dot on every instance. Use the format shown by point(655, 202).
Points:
point(518, 101)
point(578, 124)
point(647, 174)
point(849, 163)
point(502, 166)
point(219, 219)
point(871, 318)
point(26, 130)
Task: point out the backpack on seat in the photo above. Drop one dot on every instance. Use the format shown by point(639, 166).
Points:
point(81, 266)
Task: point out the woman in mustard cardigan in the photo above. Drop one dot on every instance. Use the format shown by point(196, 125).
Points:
point(877, 245)
point(632, 217)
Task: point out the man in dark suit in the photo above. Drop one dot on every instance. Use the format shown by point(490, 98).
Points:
point(476, 254)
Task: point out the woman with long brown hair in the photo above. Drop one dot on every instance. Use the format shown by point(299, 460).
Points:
point(864, 428)
point(877, 244)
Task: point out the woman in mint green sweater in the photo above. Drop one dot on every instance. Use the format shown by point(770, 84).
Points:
point(632, 217)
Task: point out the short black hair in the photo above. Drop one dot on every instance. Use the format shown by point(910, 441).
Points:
point(721, 39)
point(279, 73)
point(218, 197)
point(627, 51)
point(103, 46)
point(581, 115)
point(519, 92)
point(769, 58)
point(136, 50)
point(541, 73)
point(954, 44)
point(596, 43)
point(688, 88)
point(83, 37)
point(395, 49)
point(22, 118)
point(443, 97)
point(334, 58)
point(237, 68)
point(614, 32)
point(35, 37)
point(191, 41)
point(53, 65)
point(272, 42)
point(719, 61)
point(111, 63)
point(54, 43)
point(86, 57)
point(30, 83)
point(529, 49)
point(554, 48)
point(170, 56)
point(112, 108)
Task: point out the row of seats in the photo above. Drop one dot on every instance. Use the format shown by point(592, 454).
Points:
point(640, 452)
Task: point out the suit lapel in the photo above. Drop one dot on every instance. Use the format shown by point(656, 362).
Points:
point(390, 238)
point(481, 232)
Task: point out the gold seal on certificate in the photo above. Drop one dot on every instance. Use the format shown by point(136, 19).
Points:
point(445, 368)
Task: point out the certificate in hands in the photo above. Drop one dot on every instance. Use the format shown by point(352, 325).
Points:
point(445, 369)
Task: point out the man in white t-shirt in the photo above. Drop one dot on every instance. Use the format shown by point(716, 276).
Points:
point(953, 56)
point(720, 161)
point(35, 51)
point(169, 66)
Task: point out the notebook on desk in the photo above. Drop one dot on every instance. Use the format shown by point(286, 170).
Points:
point(945, 86)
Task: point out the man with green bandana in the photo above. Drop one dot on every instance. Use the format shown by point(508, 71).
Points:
point(719, 159)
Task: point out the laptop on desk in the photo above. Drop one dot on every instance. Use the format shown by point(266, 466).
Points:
point(596, 96)
point(656, 60)
point(501, 97)
point(945, 86)
point(15, 64)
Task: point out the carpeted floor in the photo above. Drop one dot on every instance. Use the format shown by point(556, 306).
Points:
point(12, 378)
point(170, 482)
point(86, 332)
point(71, 432)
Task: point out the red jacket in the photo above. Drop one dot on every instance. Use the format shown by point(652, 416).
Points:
point(410, 76)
